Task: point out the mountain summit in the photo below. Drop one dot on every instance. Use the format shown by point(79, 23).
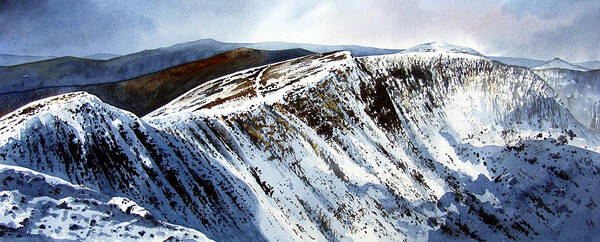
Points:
point(442, 47)
point(560, 64)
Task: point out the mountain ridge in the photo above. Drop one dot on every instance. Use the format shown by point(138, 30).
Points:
point(101, 56)
point(560, 64)
point(10, 60)
point(442, 47)
point(90, 71)
point(144, 93)
point(414, 146)
point(593, 65)
point(517, 61)
point(578, 90)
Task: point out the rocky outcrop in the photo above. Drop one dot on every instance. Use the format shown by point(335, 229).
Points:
point(410, 146)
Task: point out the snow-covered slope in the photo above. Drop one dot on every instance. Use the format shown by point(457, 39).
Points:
point(442, 47)
point(78, 138)
point(411, 146)
point(40, 207)
point(558, 63)
point(578, 90)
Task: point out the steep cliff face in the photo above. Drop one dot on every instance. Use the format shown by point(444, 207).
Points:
point(78, 138)
point(595, 123)
point(331, 147)
point(578, 90)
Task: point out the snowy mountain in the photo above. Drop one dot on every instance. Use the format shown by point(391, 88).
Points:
point(441, 47)
point(557, 63)
point(410, 146)
point(531, 63)
point(578, 90)
point(49, 207)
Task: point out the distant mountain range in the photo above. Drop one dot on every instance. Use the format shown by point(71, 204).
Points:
point(356, 50)
point(72, 71)
point(31, 81)
point(442, 47)
point(101, 56)
point(112, 77)
point(515, 61)
point(594, 65)
point(9, 60)
point(145, 93)
point(540, 64)
point(557, 63)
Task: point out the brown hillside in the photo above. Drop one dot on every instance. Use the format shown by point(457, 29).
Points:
point(143, 94)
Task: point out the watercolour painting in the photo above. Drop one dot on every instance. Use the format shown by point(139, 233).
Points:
point(260, 120)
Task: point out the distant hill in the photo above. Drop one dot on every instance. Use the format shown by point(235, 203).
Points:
point(531, 63)
point(558, 63)
point(73, 71)
point(10, 60)
point(101, 56)
point(515, 61)
point(590, 64)
point(143, 94)
point(356, 50)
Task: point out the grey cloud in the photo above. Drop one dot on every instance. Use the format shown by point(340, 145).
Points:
point(579, 40)
point(546, 9)
point(546, 29)
point(536, 29)
point(62, 27)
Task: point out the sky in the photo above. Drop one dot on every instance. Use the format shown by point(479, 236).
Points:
point(539, 29)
